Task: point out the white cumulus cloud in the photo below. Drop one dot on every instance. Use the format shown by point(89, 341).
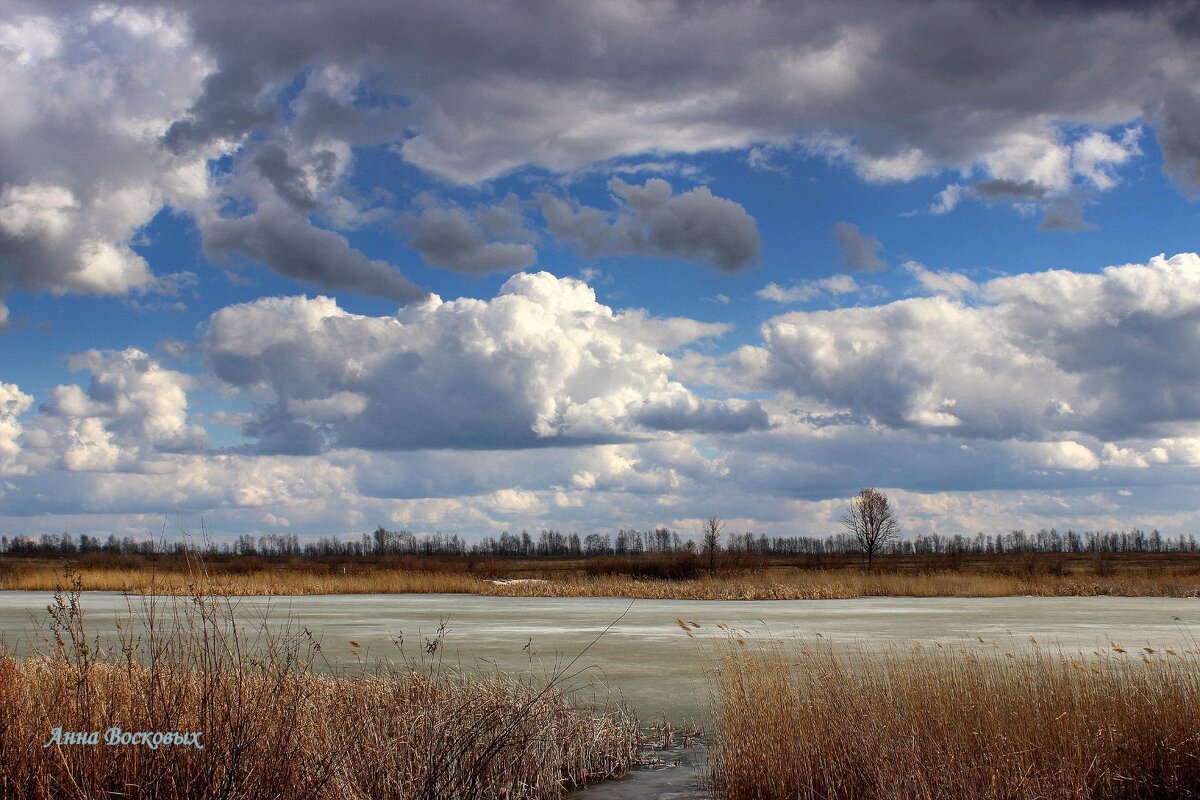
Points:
point(1108, 354)
point(131, 413)
point(542, 363)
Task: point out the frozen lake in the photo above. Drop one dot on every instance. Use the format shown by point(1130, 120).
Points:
point(645, 659)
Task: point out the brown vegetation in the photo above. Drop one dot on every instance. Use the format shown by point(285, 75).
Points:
point(852, 583)
point(273, 727)
point(739, 576)
point(673, 579)
point(180, 581)
point(804, 721)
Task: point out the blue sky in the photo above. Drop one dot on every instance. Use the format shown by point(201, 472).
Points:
point(682, 268)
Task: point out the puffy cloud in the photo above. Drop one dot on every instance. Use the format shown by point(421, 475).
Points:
point(1065, 454)
point(1096, 156)
point(1044, 172)
point(86, 95)
point(543, 363)
point(948, 199)
point(694, 226)
point(804, 291)
point(237, 489)
point(1123, 456)
point(13, 403)
point(448, 236)
point(951, 284)
point(131, 413)
point(1040, 354)
point(1029, 161)
point(514, 501)
point(860, 253)
point(89, 96)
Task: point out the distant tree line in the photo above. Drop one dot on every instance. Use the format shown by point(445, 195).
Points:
point(629, 542)
point(1014, 542)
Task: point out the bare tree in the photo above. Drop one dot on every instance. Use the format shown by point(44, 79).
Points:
point(871, 521)
point(713, 528)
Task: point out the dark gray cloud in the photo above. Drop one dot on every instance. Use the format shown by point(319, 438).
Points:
point(272, 163)
point(694, 226)
point(468, 91)
point(860, 252)
point(898, 86)
point(1065, 214)
point(289, 244)
point(277, 432)
point(230, 107)
point(1179, 138)
point(448, 236)
point(1001, 189)
point(710, 416)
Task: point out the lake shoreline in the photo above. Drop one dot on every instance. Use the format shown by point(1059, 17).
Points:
point(654, 661)
point(1029, 578)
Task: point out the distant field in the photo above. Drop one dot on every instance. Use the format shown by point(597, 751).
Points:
point(738, 576)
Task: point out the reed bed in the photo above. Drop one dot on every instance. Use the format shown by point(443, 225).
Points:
point(848, 584)
point(800, 721)
point(836, 584)
point(273, 727)
point(257, 582)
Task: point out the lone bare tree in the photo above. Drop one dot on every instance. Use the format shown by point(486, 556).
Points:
point(713, 527)
point(871, 521)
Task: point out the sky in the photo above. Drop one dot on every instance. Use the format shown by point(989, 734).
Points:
point(469, 267)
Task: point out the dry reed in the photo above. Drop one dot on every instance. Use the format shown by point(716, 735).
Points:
point(834, 584)
point(257, 582)
point(847, 584)
point(273, 727)
point(800, 721)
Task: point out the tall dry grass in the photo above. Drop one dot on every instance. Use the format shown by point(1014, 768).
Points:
point(273, 727)
point(833, 584)
point(848, 584)
point(256, 582)
point(797, 721)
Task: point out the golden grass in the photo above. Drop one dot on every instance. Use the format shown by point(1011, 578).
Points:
point(834, 584)
point(272, 727)
point(848, 584)
point(798, 721)
point(257, 582)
